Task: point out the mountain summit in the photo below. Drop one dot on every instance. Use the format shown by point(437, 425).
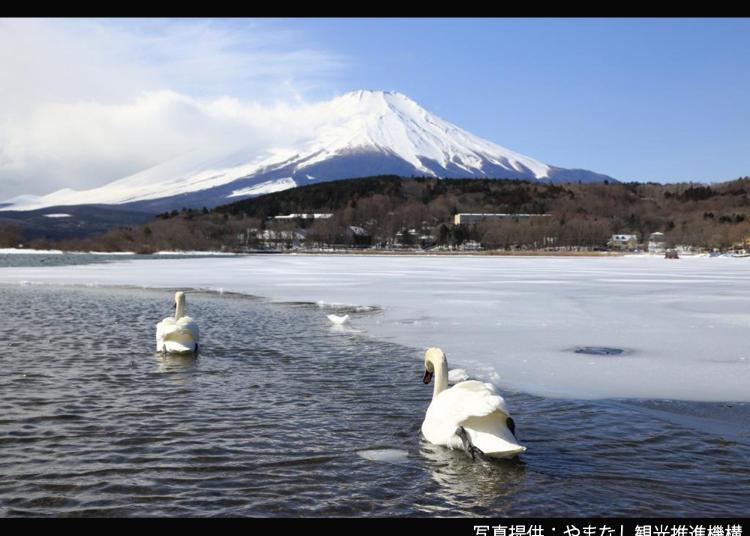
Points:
point(363, 133)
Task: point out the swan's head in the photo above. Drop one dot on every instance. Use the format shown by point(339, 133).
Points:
point(433, 357)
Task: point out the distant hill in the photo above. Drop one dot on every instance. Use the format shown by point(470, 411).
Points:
point(388, 209)
point(62, 223)
point(514, 195)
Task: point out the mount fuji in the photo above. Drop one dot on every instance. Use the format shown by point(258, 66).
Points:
point(364, 133)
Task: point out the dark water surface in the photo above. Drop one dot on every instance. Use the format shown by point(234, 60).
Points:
point(273, 417)
point(69, 259)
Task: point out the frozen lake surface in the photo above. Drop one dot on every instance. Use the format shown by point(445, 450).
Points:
point(664, 329)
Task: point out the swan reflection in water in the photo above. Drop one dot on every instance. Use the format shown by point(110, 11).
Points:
point(470, 485)
point(176, 363)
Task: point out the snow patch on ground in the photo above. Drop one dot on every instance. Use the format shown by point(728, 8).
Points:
point(57, 215)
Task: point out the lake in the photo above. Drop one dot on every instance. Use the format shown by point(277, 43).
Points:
point(283, 415)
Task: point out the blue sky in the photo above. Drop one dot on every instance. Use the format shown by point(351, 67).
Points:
point(637, 99)
point(84, 102)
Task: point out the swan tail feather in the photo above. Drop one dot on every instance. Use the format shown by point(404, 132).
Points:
point(493, 436)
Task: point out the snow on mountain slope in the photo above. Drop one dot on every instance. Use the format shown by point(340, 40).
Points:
point(20, 200)
point(358, 134)
point(393, 122)
point(267, 187)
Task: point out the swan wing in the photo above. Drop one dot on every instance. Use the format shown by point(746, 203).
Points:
point(469, 404)
point(467, 399)
point(177, 335)
point(187, 323)
point(165, 326)
point(184, 327)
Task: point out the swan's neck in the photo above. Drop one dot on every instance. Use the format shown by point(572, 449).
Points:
point(440, 377)
point(179, 311)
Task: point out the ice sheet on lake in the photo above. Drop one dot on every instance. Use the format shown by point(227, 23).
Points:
point(23, 251)
point(685, 323)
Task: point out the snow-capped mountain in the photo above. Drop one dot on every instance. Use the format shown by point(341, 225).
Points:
point(364, 133)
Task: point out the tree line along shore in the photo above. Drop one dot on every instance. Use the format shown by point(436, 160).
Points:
point(389, 213)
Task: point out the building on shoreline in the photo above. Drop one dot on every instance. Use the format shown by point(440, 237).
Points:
point(304, 216)
point(627, 242)
point(657, 243)
point(466, 218)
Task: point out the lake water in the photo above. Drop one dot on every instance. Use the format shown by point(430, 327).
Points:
point(283, 415)
point(70, 259)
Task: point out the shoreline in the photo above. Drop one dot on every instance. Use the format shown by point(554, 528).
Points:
point(486, 253)
point(341, 252)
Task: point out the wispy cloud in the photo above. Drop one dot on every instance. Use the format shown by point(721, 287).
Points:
point(85, 102)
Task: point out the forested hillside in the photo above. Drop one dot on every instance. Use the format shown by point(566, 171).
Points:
point(392, 210)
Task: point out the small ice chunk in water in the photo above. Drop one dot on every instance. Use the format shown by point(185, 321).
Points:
point(457, 375)
point(384, 455)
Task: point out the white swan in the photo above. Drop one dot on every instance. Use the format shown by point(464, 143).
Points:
point(178, 335)
point(469, 416)
point(338, 320)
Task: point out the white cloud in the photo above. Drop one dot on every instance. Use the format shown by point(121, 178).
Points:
point(86, 102)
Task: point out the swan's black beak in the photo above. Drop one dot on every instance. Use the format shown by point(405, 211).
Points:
point(427, 377)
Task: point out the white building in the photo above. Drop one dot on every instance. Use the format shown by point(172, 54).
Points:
point(272, 238)
point(471, 218)
point(623, 241)
point(470, 245)
point(304, 216)
point(657, 243)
